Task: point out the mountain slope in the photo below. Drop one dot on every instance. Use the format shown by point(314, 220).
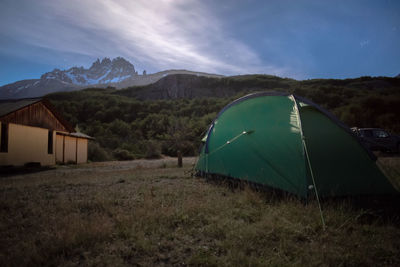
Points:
point(118, 73)
point(34, 88)
point(192, 86)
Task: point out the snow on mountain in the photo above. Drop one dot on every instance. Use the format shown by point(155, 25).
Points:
point(101, 72)
point(118, 73)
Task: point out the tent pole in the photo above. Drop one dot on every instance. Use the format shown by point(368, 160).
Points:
point(206, 163)
point(315, 186)
point(303, 139)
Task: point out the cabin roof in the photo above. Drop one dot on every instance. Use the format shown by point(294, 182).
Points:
point(12, 105)
point(77, 135)
point(9, 106)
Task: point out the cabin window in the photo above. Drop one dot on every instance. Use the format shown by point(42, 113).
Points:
point(50, 143)
point(4, 138)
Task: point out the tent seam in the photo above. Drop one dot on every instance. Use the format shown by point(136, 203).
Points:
point(303, 139)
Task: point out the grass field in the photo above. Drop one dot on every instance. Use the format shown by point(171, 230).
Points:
point(159, 215)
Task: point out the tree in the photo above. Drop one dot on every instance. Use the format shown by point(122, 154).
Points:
point(177, 135)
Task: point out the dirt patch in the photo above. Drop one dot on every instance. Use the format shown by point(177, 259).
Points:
point(132, 164)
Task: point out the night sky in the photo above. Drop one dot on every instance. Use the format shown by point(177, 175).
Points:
point(297, 39)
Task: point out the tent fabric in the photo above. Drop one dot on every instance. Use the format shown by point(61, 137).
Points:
point(262, 138)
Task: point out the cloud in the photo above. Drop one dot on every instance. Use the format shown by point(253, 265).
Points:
point(159, 34)
point(364, 43)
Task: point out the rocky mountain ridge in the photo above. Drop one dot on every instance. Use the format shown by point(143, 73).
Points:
point(101, 72)
point(118, 73)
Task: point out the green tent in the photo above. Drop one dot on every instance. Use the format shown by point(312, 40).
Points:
point(287, 142)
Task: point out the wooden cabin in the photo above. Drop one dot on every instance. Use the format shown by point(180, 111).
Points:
point(32, 131)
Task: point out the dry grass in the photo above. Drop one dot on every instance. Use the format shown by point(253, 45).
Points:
point(140, 216)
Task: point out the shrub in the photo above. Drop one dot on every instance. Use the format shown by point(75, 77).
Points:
point(153, 150)
point(122, 154)
point(96, 152)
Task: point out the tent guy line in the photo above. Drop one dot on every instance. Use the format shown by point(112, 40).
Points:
point(231, 141)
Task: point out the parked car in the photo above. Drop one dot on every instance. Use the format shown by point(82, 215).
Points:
point(378, 139)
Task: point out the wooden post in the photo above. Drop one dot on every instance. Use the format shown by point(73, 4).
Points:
point(179, 159)
point(63, 157)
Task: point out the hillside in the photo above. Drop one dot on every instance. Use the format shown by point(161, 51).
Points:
point(190, 86)
point(148, 120)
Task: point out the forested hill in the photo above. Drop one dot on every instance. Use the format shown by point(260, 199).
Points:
point(174, 112)
point(191, 86)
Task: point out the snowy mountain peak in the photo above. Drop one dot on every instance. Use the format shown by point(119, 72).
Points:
point(103, 71)
point(118, 73)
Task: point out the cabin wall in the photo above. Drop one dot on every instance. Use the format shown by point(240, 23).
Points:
point(59, 148)
point(71, 149)
point(27, 144)
point(82, 153)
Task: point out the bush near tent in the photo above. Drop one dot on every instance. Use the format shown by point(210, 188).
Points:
point(289, 143)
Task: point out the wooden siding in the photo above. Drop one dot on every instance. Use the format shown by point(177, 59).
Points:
point(60, 148)
point(69, 149)
point(82, 150)
point(37, 115)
